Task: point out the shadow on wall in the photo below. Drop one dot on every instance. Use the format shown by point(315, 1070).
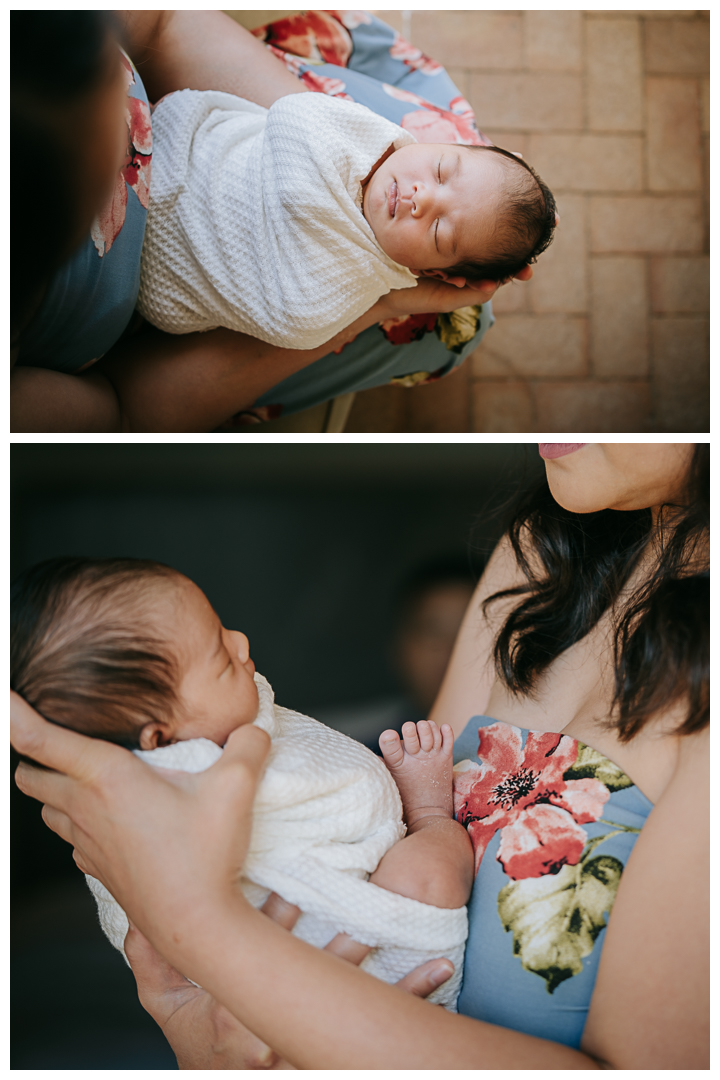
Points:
point(301, 547)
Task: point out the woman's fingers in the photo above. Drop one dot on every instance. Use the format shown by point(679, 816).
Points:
point(55, 747)
point(280, 911)
point(426, 978)
point(349, 949)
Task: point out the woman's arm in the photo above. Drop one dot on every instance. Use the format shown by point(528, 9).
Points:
point(650, 1008)
point(147, 839)
point(196, 382)
point(204, 50)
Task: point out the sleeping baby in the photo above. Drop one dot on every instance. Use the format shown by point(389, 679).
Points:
point(132, 651)
point(288, 224)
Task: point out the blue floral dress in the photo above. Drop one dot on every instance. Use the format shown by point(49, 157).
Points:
point(552, 823)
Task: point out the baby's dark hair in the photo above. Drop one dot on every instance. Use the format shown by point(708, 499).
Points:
point(524, 224)
point(83, 648)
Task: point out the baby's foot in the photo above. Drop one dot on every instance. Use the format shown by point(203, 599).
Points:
point(421, 766)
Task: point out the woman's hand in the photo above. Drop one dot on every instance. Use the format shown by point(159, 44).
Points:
point(431, 294)
point(202, 1033)
point(171, 855)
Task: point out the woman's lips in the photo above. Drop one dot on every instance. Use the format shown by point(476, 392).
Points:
point(392, 198)
point(550, 450)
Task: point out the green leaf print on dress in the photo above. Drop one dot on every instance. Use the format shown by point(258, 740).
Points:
point(538, 794)
point(555, 919)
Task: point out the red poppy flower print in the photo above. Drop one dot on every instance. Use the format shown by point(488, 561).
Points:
point(321, 84)
point(414, 58)
point(431, 124)
point(407, 328)
point(134, 172)
point(137, 165)
point(521, 792)
point(316, 35)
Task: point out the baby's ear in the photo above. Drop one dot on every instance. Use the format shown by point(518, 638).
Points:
point(443, 276)
point(154, 735)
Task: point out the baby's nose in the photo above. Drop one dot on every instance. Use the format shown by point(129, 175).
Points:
point(422, 202)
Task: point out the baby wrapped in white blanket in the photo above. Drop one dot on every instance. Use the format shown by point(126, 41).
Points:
point(289, 223)
point(255, 219)
point(326, 811)
point(132, 651)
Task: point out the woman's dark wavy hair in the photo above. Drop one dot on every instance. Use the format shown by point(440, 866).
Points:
point(55, 58)
point(662, 636)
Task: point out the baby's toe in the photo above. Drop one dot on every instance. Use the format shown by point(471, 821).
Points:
point(410, 738)
point(425, 734)
point(436, 734)
point(391, 749)
point(448, 738)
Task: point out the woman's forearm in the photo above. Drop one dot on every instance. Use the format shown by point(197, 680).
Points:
point(196, 382)
point(320, 1012)
point(204, 50)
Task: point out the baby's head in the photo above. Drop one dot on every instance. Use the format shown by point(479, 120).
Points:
point(459, 212)
point(127, 650)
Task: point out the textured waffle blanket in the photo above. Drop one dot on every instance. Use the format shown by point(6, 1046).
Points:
point(255, 219)
point(325, 813)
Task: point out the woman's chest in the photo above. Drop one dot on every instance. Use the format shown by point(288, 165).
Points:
point(575, 697)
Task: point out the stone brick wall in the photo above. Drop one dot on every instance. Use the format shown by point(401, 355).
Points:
point(612, 109)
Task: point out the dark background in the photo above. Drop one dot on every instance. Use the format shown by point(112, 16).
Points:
point(302, 547)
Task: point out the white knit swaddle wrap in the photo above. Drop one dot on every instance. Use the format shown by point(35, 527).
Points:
point(254, 220)
point(325, 813)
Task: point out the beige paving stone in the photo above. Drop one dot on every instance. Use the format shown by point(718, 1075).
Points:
point(512, 298)
point(515, 141)
point(614, 74)
point(440, 406)
point(471, 39)
point(680, 285)
point(553, 40)
point(618, 319)
point(588, 162)
point(612, 14)
point(393, 18)
point(644, 223)
point(559, 283)
point(705, 106)
point(676, 47)
point(533, 346)
point(502, 406)
point(593, 406)
point(541, 100)
point(681, 373)
point(673, 134)
point(379, 409)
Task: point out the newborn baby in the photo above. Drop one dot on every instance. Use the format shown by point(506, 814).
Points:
point(132, 651)
point(290, 223)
